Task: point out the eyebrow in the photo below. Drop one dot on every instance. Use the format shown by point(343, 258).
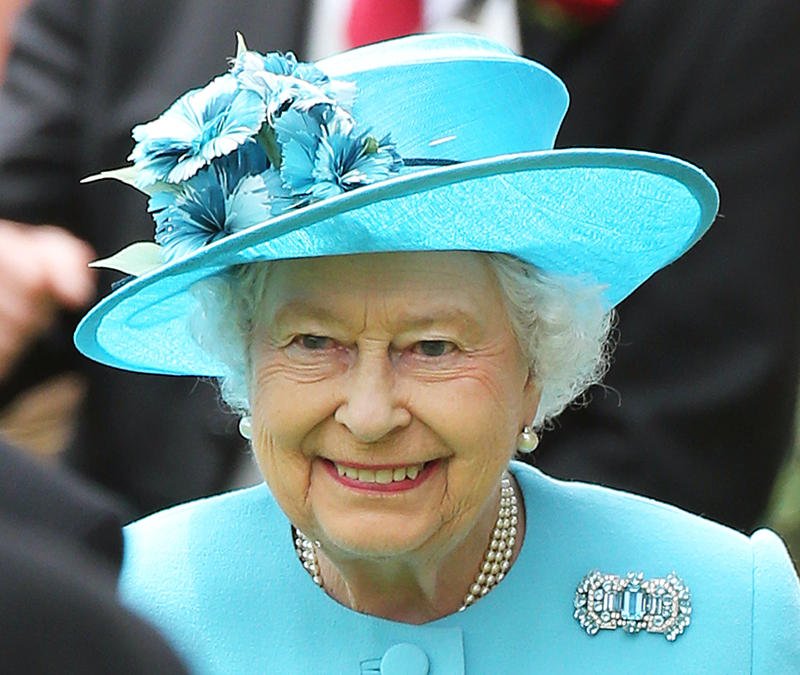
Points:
point(449, 316)
point(304, 310)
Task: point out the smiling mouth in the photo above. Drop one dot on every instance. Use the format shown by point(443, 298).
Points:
point(382, 476)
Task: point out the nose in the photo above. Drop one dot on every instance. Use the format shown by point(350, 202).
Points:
point(370, 407)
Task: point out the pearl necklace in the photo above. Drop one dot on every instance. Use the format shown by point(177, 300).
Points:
point(496, 560)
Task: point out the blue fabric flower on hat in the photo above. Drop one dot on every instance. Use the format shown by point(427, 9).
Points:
point(282, 80)
point(345, 161)
point(270, 135)
point(200, 126)
point(324, 155)
point(228, 196)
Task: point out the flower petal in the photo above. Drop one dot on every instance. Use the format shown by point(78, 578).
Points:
point(201, 125)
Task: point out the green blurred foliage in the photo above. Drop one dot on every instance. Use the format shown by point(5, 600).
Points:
point(784, 512)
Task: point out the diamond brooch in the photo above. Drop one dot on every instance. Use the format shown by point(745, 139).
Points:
point(633, 603)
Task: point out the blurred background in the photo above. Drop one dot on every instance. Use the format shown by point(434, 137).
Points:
point(42, 417)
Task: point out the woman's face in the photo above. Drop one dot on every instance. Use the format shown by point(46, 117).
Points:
point(387, 393)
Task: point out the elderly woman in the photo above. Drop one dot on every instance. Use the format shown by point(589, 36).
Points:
point(398, 282)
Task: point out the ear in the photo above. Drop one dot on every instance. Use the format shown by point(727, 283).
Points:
point(531, 395)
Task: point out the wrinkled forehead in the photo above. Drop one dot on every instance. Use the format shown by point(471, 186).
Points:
point(419, 285)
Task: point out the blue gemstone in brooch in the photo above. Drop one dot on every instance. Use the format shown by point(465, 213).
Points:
point(633, 603)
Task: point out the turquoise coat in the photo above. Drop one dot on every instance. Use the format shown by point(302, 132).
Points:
point(220, 577)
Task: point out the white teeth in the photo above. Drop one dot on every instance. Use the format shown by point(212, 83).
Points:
point(384, 476)
point(366, 475)
point(380, 476)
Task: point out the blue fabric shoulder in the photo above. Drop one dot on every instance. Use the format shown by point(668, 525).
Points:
point(776, 607)
point(181, 561)
point(746, 593)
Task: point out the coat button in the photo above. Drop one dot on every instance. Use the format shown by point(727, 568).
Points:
point(404, 659)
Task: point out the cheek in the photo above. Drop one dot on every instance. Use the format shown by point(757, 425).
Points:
point(286, 404)
point(483, 420)
point(476, 416)
point(285, 414)
point(483, 406)
point(285, 468)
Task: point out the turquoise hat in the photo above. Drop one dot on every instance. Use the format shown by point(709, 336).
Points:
point(426, 143)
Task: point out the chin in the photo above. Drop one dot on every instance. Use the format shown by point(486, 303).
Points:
point(376, 537)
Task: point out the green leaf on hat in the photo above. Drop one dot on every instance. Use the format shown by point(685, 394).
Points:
point(127, 175)
point(136, 259)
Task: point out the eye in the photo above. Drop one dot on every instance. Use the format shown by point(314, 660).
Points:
point(314, 342)
point(433, 348)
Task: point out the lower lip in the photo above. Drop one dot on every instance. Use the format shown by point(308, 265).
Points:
point(395, 486)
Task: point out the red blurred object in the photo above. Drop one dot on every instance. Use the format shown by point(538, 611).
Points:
point(9, 10)
point(375, 20)
point(585, 11)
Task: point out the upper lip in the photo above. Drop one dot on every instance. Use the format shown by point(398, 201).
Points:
point(377, 467)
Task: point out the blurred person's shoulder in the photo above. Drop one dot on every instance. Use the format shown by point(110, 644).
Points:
point(54, 596)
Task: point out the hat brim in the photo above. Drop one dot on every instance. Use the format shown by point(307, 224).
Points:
point(612, 217)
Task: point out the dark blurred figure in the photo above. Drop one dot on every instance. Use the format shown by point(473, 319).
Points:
point(60, 551)
point(705, 424)
point(80, 75)
point(59, 504)
point(704, 386)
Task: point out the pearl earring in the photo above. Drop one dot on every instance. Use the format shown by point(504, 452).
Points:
point(527, 441)
point(246, 427)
